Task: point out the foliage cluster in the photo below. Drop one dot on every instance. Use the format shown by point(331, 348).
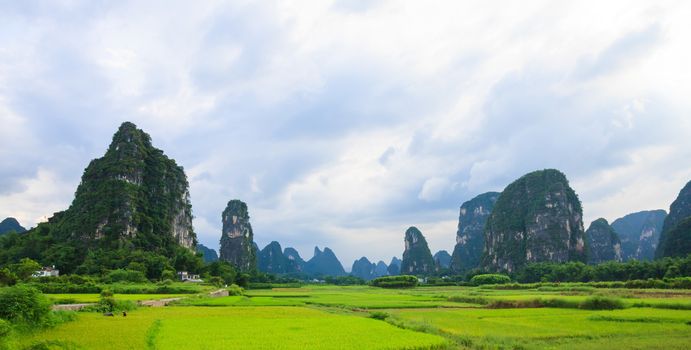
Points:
point(401, 281)
point(491, 278)
point(608, 271)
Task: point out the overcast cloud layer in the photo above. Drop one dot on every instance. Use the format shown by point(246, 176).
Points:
point(343, 123)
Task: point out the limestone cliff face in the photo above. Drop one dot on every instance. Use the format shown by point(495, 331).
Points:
point(470, 237)
point(237, 240)
point(417, 258)
point(536, 218)
point(394, 267)
point(296, 261)
point(442, 259)
point(640, 233)
point(675, 240)
point(209, 255)
point(602, 242)
point(363, 268)
point(134, 192)
point(272, 260)
point(380, 269)
point(133, 198)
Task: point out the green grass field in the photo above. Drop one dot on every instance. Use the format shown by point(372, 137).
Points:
point(233, 328)
point(331, 317)
point(93, 298)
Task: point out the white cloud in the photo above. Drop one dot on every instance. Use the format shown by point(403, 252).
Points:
point(341, 125)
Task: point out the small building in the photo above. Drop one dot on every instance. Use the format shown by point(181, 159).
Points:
point(188, 277)
point(47, 271)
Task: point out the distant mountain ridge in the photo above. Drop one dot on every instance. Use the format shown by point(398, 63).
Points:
point(11, 225)
point(639, 233)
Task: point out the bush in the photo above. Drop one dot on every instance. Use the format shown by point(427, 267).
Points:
point(107, 303)
point(7, 278)
point(24, 305)
point(601, 303)
point(479, 280)
point(402, 281)
point(234, 289)
point(379, 315)
point(120, 275)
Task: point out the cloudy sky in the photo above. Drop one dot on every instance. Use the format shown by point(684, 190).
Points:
point(341, 123)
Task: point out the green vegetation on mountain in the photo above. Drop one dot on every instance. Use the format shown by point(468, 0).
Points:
point(417, 258)
point(324, 263)
point(676, 231)
point(272, 260)
point(11, 225)
point(602, 242)
point(470, 237)
point(536, 218)
point(640, 233)
point(131, 207)
point(237, 239)
point(394, 267)
point(208, 255)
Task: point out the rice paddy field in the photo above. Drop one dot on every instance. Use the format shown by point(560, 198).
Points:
point(331, 317)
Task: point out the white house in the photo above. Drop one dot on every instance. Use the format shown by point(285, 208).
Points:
point(188, 277)
point(47, 271)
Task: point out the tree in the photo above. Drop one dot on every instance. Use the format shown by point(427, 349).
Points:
point(25, 268)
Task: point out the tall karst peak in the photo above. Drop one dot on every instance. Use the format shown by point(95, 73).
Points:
point(536, 218)
point(417, 258)
point(470, 237)
point(237, 239)
point(675, 239)
point(640, 233)
point(603, 242)
point(133, 198)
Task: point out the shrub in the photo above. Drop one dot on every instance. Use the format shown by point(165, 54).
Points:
point(7, 278)
point(216, 281)
point(107, 303)
point(379, 315)
point(601, 303)
point(168, 275)
point(479, 280)
point(402, 281)
point(234, 289)
point(120, 275)
point(24, 305)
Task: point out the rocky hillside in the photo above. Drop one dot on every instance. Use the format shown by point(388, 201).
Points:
point(324, 263)
point(470, 237)
point(209, 255)
point(675, 239)
point(133, 198)
point(417, 258)
point(11, 225)
point(296, 261)
point(536, 218)
point(237, 239)
point(272, 260)
point(380, 269)
point(639, 234)
point(394, 267)
point(602, 242)
point(442, 259)
point(363, 268)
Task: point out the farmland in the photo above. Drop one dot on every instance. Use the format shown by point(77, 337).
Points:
point(330, 317)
